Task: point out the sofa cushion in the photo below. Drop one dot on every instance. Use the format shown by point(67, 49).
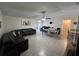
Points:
point(11, 37)
point(17, 32)
point(14, 33)
point(8, 38)
point(19, 39)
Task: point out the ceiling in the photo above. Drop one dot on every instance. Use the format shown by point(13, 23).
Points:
point(33, 9)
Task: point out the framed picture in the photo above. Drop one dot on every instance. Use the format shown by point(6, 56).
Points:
point(25, 22)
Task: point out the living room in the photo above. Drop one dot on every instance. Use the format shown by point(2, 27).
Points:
point(39, 24)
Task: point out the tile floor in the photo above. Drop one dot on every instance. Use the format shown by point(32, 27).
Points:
point(41, 44)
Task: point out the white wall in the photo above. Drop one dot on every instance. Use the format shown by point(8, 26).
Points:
point(12, 23)
point(1, 29)
point(57, 21)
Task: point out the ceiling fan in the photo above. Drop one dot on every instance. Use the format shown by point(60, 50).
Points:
point(44, 15)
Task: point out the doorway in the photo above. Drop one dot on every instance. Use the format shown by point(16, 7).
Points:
point(66, 25)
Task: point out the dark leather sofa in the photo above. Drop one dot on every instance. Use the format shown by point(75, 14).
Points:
point(11, 45)
point(27, 31)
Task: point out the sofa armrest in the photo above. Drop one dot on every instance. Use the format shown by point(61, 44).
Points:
point(23, 46)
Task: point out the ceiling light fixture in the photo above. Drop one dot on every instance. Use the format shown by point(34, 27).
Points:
point(43, 17)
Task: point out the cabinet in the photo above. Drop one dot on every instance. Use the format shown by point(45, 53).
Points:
point(72, 43)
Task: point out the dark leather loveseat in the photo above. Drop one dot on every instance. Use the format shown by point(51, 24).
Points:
point(11, 45)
